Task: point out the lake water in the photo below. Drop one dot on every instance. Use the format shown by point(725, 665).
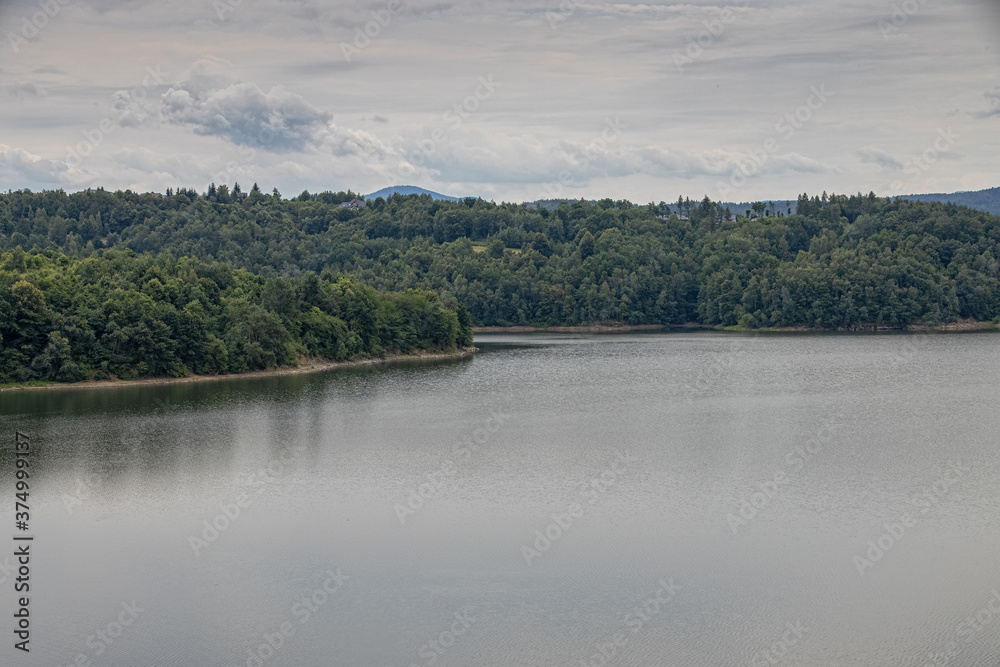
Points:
point(663, 499)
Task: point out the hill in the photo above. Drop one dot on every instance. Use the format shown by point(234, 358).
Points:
point(836, 262)
point(409, 190)
point(983, 200)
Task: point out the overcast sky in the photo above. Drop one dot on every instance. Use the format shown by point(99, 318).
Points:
point(506, 99)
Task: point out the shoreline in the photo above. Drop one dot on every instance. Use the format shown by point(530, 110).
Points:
point(961, 325)
point(307, 366)
point(591, 328)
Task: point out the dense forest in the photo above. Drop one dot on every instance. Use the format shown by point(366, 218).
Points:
point(830, 261)
point(984, 200)
point(126, 315)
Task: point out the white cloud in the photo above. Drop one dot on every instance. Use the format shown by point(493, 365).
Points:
point(18, 166)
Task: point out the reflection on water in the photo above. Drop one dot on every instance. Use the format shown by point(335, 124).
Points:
point(656, 499)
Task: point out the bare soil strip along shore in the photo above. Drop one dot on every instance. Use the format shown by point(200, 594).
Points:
point(961, 325)
point(594, 328)
point(306, 366)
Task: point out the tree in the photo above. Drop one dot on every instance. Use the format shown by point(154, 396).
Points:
point(586, 245)
point(540, 244)
point(55, 362)
point(494, 248)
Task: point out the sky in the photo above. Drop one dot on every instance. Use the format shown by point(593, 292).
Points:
point(509, 100)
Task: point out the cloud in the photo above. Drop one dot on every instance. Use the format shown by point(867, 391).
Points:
point(468, 156)
point(133, 112)
point(284, 74)
point(24, 89)
point(19, 166)
point(993, 101)
point(877, 156)
point(214, 104)
point(344, 142)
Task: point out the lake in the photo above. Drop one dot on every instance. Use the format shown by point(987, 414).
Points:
point(688, 498)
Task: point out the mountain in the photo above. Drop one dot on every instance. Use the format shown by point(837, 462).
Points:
point(983, 200)
point(553, 204)
point(408, 190)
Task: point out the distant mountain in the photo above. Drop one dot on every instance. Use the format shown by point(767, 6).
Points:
point(553, 204)
point(408, 190)
point(983, 200)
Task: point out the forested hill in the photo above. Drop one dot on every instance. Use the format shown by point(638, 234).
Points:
point(131, 316)
point(984, 200)
point(834, 262)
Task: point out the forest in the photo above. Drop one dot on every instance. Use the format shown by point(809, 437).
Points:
point(103, 282)
point(119, 314)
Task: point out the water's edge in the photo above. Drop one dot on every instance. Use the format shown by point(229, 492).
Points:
point(309, 366)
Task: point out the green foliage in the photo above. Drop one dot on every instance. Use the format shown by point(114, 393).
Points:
point(837, 262)
point(127, 315)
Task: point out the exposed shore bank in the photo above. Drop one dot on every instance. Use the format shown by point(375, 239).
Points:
point(306, 366)
point(961, 325)
point(594, 328)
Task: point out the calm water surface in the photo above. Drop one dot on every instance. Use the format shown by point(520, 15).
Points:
point(668, 499)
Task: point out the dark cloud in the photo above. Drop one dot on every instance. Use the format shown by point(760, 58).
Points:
point(213, 104)
point(992, 103)
point(877, 156)
point(23, 89)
